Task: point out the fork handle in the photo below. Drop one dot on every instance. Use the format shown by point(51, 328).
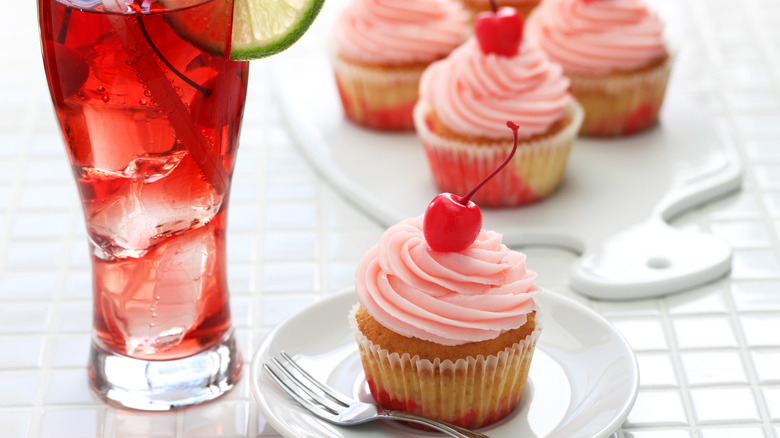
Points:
point(450, 429)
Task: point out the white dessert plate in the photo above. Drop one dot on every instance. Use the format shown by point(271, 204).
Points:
point(582, 383)
point(613, 206)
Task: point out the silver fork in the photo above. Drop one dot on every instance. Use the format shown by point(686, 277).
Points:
point(336, 408)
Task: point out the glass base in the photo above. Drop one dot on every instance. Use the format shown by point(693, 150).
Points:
point(165, 385)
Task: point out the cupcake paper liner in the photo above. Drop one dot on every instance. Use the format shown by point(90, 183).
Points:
point(471, 392)
point(621, 104)
point(377, 97)
point(534, 173)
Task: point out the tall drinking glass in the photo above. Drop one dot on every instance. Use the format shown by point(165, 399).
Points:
point(150, 111)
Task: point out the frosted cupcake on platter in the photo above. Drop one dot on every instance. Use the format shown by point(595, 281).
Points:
point(466, 98)
point(379, 49)
point(447, 320)
point(615, 54)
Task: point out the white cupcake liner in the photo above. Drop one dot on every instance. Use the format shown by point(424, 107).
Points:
point(376, 96)
point(472, 392)
point(534, 173)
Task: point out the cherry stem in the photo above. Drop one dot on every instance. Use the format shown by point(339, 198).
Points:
point(493, 6)
point(513, 126)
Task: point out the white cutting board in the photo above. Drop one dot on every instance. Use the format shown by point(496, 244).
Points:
point(612, 207)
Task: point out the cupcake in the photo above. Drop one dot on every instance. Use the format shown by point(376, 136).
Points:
point(465, 100)
point(523, 7)
point(614, 53)
point(381, 47)
point(449, 335)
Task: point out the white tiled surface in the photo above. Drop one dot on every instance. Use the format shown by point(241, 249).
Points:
point(709, 357)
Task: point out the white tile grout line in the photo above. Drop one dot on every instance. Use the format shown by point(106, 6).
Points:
point(22, 157)
point(261, 185)
point(674, 356)
point(747, 362)
point(261, 99)
point(753, 14)
point(774, 62)
point(37, 412)
point(324, 233)
point(748, 365)
point(733, 313)
point(669, 330)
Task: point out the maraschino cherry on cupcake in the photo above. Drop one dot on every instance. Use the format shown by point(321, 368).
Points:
point(453, 222)
point(615, 55)
point(497, 75)
point(446, 321)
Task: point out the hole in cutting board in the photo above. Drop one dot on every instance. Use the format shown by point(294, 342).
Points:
point(659, 262)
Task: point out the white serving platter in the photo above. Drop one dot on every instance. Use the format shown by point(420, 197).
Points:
point(612, 208)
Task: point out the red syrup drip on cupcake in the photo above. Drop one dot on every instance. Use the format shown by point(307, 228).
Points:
point(452, 223)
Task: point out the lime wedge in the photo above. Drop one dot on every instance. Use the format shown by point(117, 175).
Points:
point(263, 28)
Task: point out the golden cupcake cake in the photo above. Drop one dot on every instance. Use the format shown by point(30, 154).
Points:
point(379, 49)
point(615, 55)
point(446, 320)
point(465, 100)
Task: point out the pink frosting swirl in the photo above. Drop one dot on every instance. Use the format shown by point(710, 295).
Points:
point(598, 36)
point(399, 31)
point(475, 94)
point(445, 297)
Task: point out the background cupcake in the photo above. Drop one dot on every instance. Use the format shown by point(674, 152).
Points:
point(465, 102)
point(448, 335)
point(381, 47)
point(614, 53)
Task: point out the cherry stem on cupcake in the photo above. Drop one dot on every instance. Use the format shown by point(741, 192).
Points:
point(452, 223)
point(513, 126)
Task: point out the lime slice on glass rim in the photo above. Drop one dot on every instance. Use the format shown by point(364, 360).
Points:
point(261, 28)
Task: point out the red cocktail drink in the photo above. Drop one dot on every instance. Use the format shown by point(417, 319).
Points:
point(150, 111)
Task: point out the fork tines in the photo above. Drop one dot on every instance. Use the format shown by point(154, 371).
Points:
point(334, 407)
point(305, 389)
